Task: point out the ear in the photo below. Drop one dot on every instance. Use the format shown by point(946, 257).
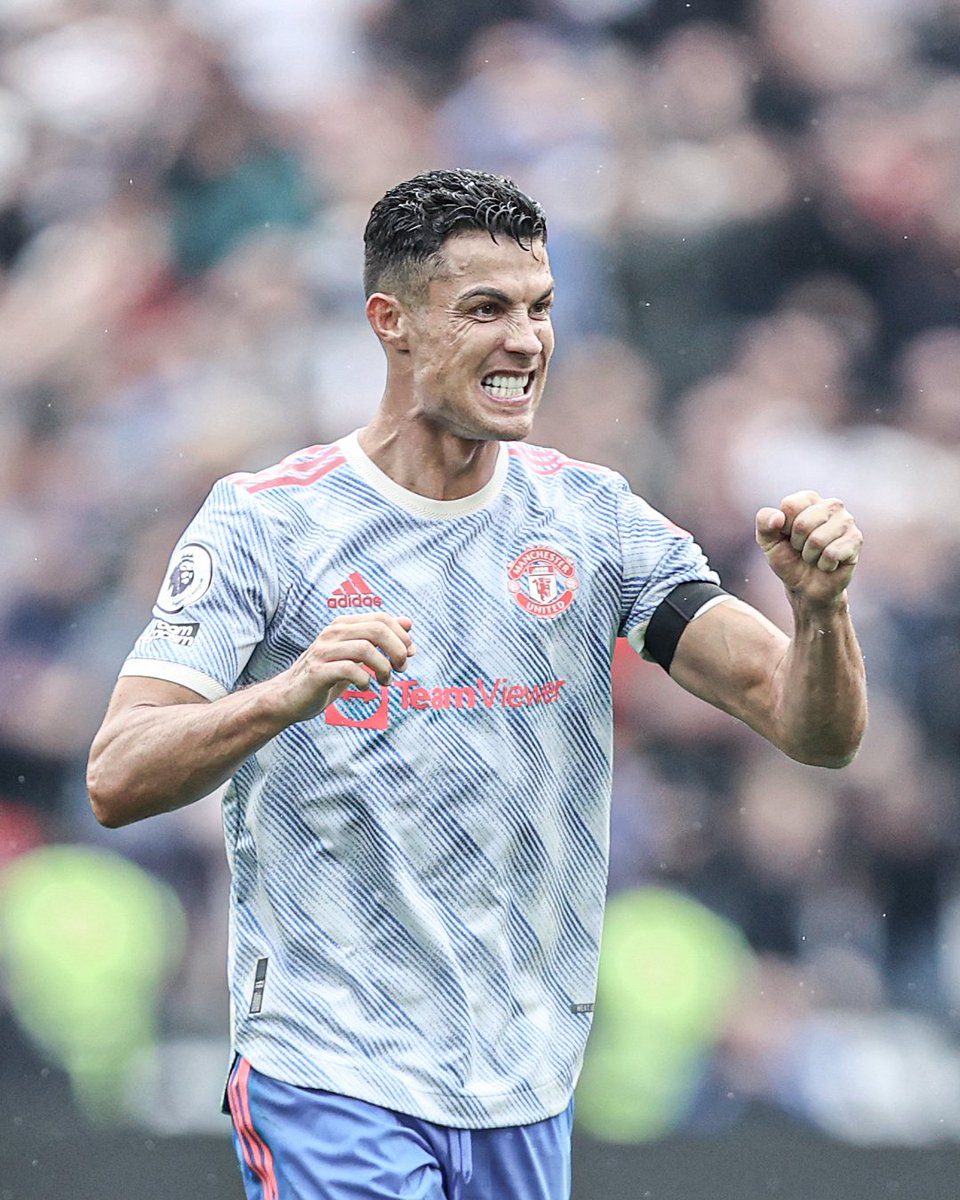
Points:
point(389, 319)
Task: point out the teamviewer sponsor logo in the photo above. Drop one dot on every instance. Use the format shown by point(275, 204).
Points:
point(354, 592)
point(362, 709)
point(488, 693)
point(371, 709)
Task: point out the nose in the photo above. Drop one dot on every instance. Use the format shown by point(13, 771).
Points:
point(523, 336)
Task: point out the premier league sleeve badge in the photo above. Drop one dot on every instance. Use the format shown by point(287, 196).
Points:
point(188, 578)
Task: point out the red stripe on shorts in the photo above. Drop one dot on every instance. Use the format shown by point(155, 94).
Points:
point(256, 1153)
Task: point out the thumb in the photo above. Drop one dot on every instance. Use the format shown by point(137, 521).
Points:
point(770, 525)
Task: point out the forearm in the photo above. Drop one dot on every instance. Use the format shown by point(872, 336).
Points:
point(820, 697)
point(154, 758)
point(162, 746)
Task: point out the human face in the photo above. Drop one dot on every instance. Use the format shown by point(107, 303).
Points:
point(480, 342)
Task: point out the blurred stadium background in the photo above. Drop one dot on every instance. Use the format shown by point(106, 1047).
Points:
point(756, 227)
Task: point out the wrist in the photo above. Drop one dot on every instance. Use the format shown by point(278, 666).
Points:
point(268, 705)
point(818, 610)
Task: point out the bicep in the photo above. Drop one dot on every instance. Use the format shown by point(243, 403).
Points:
point(729, 656)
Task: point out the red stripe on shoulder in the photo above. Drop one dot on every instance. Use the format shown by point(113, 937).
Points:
point(543, 461)
point(298, 470)
point(291, 480)
point(675, 528)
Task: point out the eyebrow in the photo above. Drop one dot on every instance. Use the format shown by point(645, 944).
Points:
point(493, 293)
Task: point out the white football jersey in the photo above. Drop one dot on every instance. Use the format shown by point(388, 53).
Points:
point(418, 874)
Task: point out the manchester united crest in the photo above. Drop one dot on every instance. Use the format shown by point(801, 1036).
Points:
point(543, 581)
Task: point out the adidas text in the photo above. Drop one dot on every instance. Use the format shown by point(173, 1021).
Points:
point(354, 602)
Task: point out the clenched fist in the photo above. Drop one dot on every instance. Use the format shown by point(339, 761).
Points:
point(347, 653)
point(812, 545)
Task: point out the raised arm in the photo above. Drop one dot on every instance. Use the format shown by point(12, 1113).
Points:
point(807, 693)
point(162, 746)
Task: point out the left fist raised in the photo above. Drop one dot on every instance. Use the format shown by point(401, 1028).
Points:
point(812, 544)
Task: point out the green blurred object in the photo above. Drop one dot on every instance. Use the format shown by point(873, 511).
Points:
point(88, 939)
point(212, 213)
point(669, 970)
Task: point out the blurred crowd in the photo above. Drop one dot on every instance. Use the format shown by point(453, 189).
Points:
point(755, 228)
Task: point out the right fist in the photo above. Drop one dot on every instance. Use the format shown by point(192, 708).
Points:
point(345, 655)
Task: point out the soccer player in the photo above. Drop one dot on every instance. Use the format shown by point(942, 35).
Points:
point(398, 649)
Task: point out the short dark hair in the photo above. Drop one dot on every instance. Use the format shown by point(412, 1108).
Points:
point(410, 223)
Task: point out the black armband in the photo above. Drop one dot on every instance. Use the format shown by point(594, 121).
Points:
point(673, 614)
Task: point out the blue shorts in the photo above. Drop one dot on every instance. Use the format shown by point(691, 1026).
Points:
point(296, 1143)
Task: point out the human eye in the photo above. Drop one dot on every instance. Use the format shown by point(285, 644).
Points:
point(486, 309)
point(541, 308)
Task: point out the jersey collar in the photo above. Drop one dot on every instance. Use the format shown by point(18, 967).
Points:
point(423, 506)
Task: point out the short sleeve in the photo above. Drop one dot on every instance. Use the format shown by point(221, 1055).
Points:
point(220, 591)
point(657, 555)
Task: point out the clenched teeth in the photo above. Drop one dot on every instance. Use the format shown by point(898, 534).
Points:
point(506, 387)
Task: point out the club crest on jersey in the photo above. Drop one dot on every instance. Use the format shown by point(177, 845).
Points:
point(543, 581)
point(189, 575)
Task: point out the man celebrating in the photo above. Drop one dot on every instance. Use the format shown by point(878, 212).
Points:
point(398, 651)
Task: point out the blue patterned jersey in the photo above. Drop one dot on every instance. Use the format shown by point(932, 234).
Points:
point(418, 873)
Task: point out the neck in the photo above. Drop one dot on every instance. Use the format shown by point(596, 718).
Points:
point(427, 459)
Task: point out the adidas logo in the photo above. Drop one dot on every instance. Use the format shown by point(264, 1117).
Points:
point(354, 592)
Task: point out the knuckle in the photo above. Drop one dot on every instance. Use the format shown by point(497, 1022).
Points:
point(802, 528)
point(801, 499)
